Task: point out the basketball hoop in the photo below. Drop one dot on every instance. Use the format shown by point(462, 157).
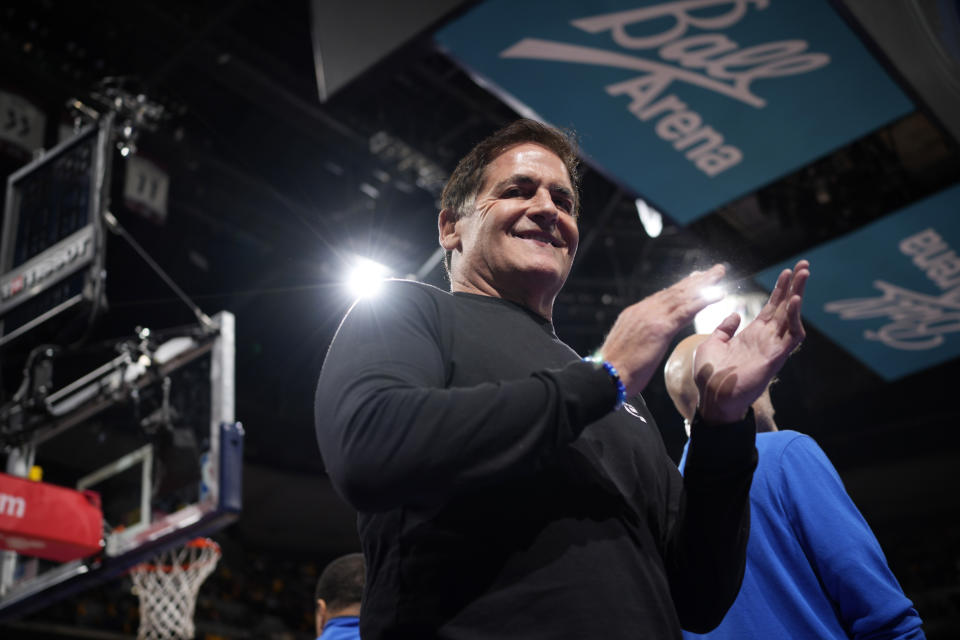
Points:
point(167, 588)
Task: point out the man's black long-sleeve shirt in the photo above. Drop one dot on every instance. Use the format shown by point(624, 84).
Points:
point(499, 494)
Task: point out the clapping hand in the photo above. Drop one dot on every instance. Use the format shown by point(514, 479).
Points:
point(731, 371)
point(639, 338)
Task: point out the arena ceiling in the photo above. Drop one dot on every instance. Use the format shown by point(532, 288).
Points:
point(273, 192)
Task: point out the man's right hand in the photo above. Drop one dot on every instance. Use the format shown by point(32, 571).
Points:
point(643, 331)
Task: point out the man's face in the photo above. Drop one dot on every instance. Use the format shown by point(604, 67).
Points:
point(522, 236)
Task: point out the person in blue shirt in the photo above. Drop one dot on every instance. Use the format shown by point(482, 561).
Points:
point(339, 594)
point(814, 568)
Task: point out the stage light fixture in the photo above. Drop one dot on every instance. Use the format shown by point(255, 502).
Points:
point(747, 304)
point(710, 317)
point(713, 293)
point(650, 218)
point(366, 277)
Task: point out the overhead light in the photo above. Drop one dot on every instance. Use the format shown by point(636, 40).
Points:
point(713, 293)
point(366, 277)
point(650, 218)
point(711, 316)
point(747, 304)
point(369, 190)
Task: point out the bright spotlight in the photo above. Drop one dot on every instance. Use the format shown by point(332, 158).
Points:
point(710, 317)
point(747, 304)
point(713, 293)
point(366, 277)
point(650, 218)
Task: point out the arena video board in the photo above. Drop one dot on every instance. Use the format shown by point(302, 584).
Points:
point(690, 103)
point(897, 305)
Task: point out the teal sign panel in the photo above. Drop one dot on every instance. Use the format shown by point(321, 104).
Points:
point(889, 293)
point(689, 103)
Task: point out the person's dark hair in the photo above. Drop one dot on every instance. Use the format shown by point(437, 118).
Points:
point(341, 583)
point(467, 178)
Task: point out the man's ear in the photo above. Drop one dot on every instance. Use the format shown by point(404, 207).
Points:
point(449, 234)
point(321, 614)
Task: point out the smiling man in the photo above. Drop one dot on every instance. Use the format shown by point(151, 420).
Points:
point(519, 242)
point(504, 490)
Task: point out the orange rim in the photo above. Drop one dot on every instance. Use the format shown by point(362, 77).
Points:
point(196, 543)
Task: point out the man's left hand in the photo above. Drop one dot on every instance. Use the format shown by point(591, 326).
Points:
point(731, 371)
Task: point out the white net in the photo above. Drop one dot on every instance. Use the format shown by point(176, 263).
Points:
point(168, 586)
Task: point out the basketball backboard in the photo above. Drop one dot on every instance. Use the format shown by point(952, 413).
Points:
point(151, 430)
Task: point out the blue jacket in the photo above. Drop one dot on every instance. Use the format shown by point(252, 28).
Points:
point(814, 567)
point(341, 628)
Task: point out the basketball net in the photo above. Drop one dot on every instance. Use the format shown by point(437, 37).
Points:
point(167, 588)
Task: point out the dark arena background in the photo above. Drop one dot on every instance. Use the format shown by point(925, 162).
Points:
point(256, 152)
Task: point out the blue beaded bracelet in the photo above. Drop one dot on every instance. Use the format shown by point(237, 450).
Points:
point(612, 371)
